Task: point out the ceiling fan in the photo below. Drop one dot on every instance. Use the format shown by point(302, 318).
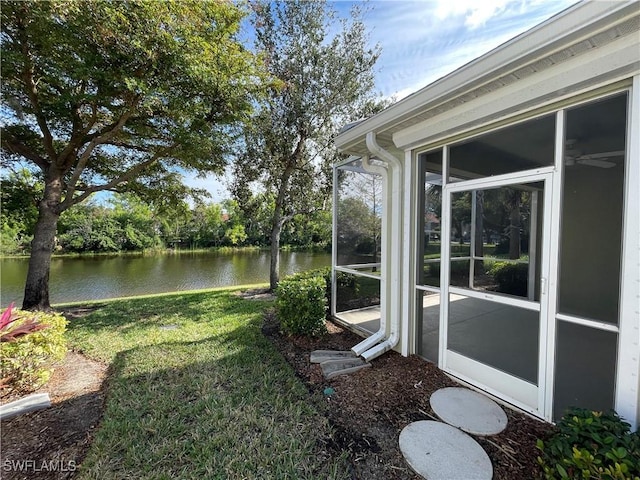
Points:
point(574, 156)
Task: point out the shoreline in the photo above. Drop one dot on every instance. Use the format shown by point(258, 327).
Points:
point(149, 252)
point(172, 251)
point(248, 286)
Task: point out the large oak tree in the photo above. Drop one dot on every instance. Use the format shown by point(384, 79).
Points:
point(117, 96)
point(323, 71)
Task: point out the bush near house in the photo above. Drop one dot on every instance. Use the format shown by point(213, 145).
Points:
point(591, 445)
point(295, 303)
point(346, 281)
point(31, 342)
point(511, 278)
point(458, 268)
point(302, 303)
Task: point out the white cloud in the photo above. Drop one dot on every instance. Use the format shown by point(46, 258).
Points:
point(476, 13)
point(424, 40)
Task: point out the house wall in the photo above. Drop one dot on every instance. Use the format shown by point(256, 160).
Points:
point(587, 53)
point(590, 75)
point(595, 215)
point(628, 388)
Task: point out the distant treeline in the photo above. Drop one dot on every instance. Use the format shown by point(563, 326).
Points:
point(124, 223)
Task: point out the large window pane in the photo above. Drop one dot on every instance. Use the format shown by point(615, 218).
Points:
point(358, 300)
point(502, 336)
point(428, 309)
point(592, 204)
point(359, 215)
point(499, 247)
point(520, 147)
point(429, 233)
point(585, 368)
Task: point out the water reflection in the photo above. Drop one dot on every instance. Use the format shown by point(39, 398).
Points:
point(90, 278)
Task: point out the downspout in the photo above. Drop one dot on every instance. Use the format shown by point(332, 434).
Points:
point(392, 253)
point(381, 334)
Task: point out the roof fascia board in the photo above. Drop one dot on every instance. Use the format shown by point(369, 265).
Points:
point(614, 62)
point(581, 20)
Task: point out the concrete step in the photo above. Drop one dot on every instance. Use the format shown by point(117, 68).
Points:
point(333, 368)
point(438, 451)
point(468, 410)
point(319, 356)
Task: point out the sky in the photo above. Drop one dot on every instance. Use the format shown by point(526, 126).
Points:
point(424, 40)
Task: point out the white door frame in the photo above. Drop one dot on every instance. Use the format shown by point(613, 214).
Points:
point(525, 395)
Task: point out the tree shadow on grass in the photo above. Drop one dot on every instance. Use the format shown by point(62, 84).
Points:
point(227, 406)
point(140, 313)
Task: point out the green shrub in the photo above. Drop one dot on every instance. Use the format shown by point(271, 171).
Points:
point(512, 278)
point(26, 360)
point(301, 303)
point(344, 281)
point(458, 267)
point(591, 445)
point(324, 272)
point(461, 250)
point(432, 270)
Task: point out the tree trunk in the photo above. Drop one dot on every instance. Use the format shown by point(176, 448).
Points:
point(478, 231)
point(278, 220)
point(274, 269)
point(36, 290)
point(514, 228)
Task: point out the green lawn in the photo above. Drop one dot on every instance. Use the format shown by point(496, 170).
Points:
point(210, 399)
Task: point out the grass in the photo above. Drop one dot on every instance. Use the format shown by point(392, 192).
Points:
point(211, 398)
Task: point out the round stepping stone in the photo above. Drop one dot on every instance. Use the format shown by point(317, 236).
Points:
point(468, 410)
point(438, 451)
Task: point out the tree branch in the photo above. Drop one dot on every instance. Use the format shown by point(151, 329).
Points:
point(84, 158)
point(78, 130)
point(16, 147)
point(112, 126)
point(130, 146)
point(32, 92)
point(129, 174)
point(300, 211)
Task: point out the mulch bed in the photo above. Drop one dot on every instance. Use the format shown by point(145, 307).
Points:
point(369, 408)
point(51, 443)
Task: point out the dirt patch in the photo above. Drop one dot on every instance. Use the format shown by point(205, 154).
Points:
point(81, 311)
point(51, 443)
point(369, 409)
point(257, 294)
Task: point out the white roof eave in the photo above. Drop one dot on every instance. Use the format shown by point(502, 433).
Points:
point(579, 21)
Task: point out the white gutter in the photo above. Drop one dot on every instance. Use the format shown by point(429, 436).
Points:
point(377, 337)
point(391, 253)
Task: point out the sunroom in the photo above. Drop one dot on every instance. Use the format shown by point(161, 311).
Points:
point(490, 222)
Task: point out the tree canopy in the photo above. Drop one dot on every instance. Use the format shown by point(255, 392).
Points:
point(323, 71)
point(18, 209)
point(118, 96)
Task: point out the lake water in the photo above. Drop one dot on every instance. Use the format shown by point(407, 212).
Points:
point(91, 278)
